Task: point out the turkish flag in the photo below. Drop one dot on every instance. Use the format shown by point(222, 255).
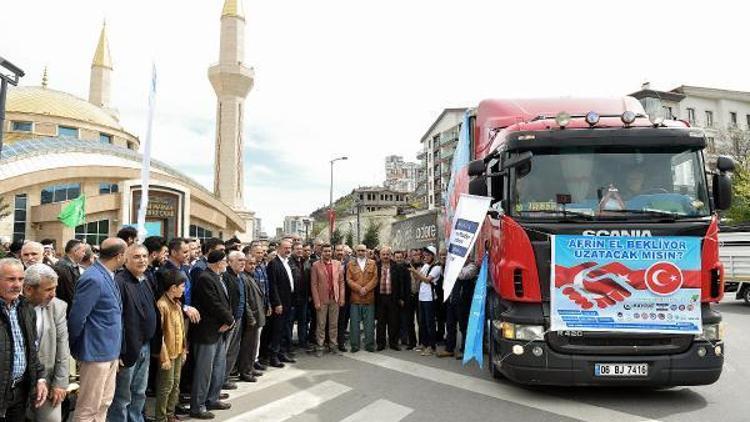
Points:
point(332, 219)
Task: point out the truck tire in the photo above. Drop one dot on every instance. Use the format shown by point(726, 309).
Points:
point(494, 313)
point(745, 293)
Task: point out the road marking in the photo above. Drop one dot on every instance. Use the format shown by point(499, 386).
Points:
point(547, 403)
point(271, 378)
point(294, 404)
point(381, 411)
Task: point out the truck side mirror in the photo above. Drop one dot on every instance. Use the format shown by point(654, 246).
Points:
point(477, 168)
point(478, 186)
point(722, 189)
point(724, 163)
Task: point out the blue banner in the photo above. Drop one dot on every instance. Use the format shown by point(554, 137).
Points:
point(475, 331)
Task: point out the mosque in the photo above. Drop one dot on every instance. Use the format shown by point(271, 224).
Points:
point(58, 146)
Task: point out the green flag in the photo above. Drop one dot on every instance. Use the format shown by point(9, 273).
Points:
point(74, 214)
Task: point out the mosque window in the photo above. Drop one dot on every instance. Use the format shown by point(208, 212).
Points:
point(93, 232)
point(67, 132)
point(19, 217)
point(23, 126)
point(105, 139)
point(60, 193)
point(200, 232)
point(105, 188)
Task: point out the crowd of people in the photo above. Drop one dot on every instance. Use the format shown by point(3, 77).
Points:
point(183, 320)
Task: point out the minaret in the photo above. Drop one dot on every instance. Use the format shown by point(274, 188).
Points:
point(101, 72)
point(232, 81)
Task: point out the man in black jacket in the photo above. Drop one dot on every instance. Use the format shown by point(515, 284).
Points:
point(139, 326)
point(390, 297)
point(281, 288)
point(237, 298)
point(68, 270)
point(21, 373)
point(301, 274)
point(211, 298)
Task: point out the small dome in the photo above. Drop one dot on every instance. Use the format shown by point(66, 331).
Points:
point(45, 101)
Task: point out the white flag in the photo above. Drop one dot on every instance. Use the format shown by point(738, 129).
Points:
point(146, 166)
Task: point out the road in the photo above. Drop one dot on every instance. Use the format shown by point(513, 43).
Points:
point(403, 386)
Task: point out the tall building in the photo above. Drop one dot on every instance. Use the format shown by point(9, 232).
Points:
point(438, 145)
point(400, 176)
point(232, 82)
point(300, 225)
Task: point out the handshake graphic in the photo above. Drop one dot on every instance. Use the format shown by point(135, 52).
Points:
point(603, 285)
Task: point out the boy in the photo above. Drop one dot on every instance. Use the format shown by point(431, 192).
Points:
point(173, 346)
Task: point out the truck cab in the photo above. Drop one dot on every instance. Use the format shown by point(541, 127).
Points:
point(591, 167)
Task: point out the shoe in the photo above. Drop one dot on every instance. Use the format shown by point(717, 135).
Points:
point(335, 352)
point(291, 355)
point(426, 352)
point(319, 353)
point(202, 415)
point(259, 366)
point(342, 348)
point(287, 359)
point(417, 348)
point(396, 348)
point(223, 396)
point(229, 386)
point(276, 363)
point(248, 378)
point(380, 348)
point(219, 405)
point(354, 350)
point(256, 373)
point(181, 409)
point(459, 356)
point(444, 354)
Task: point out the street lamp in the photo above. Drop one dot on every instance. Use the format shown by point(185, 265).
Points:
point(330, 200)
point(4, 81)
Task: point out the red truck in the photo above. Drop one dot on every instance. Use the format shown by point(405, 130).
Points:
point(599, 168)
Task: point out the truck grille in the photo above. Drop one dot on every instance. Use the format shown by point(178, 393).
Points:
point(609, 343)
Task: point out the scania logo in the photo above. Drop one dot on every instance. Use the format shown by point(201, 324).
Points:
point(634, 233)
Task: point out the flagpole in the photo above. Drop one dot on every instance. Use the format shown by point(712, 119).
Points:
point(146, 165)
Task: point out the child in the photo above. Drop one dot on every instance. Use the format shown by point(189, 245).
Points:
point(173, 345)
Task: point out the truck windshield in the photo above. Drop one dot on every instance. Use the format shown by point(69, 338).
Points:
point(597, 183)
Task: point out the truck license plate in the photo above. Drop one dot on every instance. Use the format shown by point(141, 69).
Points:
point(621, 370)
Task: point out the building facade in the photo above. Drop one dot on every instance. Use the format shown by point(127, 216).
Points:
point(436, 155)
point(59, 146)
point(400, 175)
point(300, 225)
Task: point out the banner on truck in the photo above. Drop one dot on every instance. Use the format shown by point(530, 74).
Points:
point(467, 221)
point(629, 284)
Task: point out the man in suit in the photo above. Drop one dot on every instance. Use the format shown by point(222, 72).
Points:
point(69, 271)
point(254, 320)
point(21, 373)
point(237, 298)
point(52, 333)
point(362, 278)
point(339, 254)
point(327, 286)
point(95, 330)
point(211, 299)
point(139, 325)
point(281, 289)
point(390, 296)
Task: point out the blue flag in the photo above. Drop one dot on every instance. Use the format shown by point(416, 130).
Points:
point(475, 331)
point(459, 175)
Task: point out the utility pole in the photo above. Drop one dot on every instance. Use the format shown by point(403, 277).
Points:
point(330, 200)
point(4, 81)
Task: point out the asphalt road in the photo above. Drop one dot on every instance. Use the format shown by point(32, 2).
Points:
point(403, 386)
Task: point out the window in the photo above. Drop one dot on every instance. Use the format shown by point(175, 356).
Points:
point(23, 126)
point(733, 118)
point(199, 232)
point(67, 131)
point(668, 113)
point(105, 188)
point(709, 118)
point(711, 145)
point(691, 116)
point(131, 145)
point(60, 193)
point(105, 139)
point(19, 217)
point(93, 232)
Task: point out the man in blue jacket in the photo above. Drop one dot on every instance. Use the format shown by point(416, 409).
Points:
point(95, 331)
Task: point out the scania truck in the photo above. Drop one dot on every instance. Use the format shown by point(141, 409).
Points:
point(604, 169)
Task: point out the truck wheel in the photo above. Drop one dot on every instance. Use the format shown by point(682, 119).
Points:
point(494, 313)
point(745, 294)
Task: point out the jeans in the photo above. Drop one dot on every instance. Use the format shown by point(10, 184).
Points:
point(427, 324)
point(130, 390)
point(168, 390)
point(208, 374)
point(366, 314)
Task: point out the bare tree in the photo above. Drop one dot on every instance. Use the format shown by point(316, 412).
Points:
point(5, 209)
point(735, 142)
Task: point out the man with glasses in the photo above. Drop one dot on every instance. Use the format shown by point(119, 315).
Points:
point(362, 277)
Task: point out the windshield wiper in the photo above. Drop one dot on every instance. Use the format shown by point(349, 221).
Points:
point(562, 213)
point(652, 212)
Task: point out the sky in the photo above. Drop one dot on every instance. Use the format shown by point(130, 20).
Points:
point(364, 79)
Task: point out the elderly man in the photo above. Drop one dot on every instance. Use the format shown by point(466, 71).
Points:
point(32, 253)
point(390, 295)
point(362, 278)
point(21, 373)
point(281, 288)
point(233, 279)
point(255, 319)
point(52, 333)
point(260, 275)
point(139, 325)
point(68, 270)
point(95, 328)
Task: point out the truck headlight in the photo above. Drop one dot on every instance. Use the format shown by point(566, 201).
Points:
point(513, 331)
point(713, 332)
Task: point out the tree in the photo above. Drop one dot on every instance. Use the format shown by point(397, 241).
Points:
point(5, 209)
point(350, 239)
point(336, 237)
point(736, 142)
point(371, 238)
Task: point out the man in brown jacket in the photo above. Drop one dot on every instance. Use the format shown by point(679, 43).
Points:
point(362, 277)
point(327, 286)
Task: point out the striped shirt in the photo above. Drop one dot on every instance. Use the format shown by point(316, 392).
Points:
point(19, 347)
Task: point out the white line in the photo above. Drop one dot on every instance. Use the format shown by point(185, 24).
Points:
point(294, 404)
point(271, 378)
point(380, 411)
point(547, 403)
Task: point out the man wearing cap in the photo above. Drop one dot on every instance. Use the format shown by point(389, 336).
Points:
point(211, 299)
point(427, 276)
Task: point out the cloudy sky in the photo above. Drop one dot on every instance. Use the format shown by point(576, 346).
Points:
point(363, 78)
